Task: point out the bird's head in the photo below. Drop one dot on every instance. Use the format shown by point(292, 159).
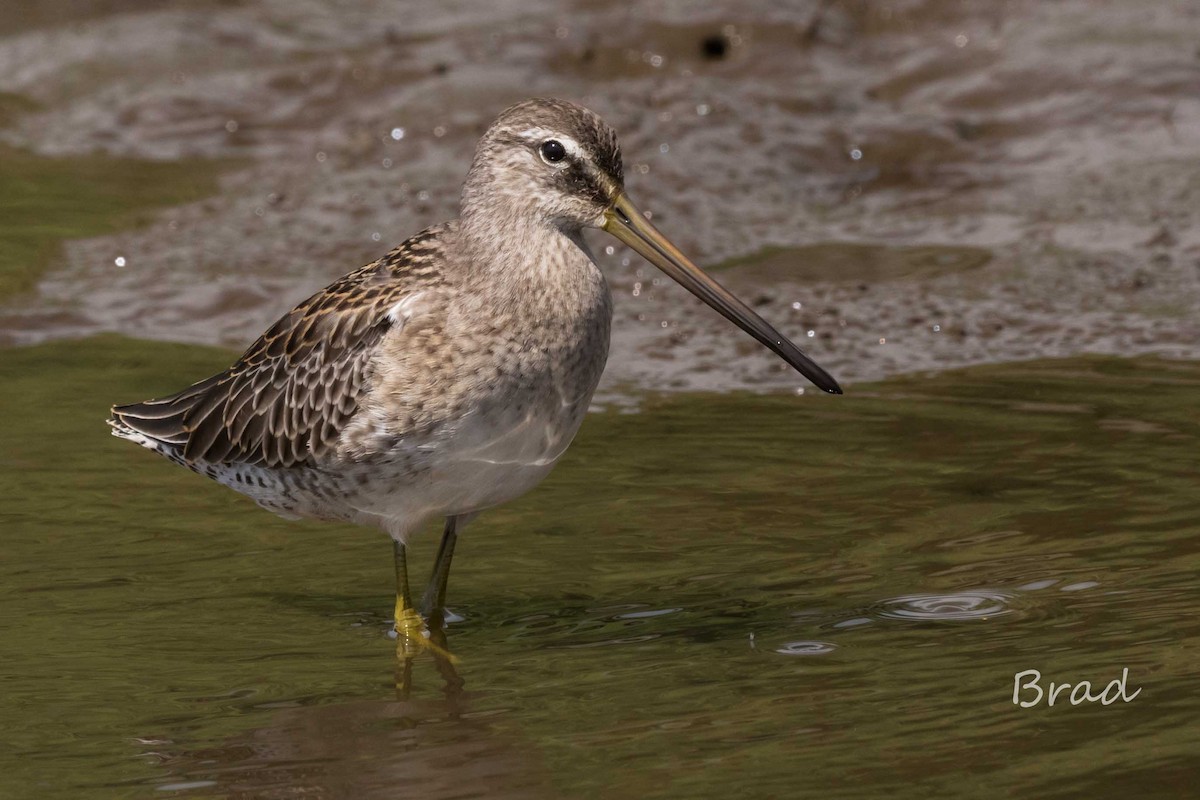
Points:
point(547, 160)
point(551, 162)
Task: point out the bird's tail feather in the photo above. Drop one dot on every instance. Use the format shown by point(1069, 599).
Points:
point(161, 422)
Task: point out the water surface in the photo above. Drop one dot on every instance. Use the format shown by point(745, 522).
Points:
point(719, 596)
point(46, 200)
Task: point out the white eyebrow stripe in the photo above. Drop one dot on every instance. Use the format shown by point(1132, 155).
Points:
point(538, 134)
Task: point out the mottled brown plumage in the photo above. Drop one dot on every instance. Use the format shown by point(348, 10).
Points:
point(286, 400)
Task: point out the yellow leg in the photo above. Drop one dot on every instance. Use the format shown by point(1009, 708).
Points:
point(409, 626)
point(411, 634)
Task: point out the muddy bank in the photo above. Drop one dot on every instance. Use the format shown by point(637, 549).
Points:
point(863, 154)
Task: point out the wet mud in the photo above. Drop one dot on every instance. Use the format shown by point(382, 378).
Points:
point(856, 144)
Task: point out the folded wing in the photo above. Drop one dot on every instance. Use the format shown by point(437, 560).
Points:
point(285, 401)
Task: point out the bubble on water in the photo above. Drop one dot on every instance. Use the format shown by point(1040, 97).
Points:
point(796, 306)
point(811, 334)
point(806, 648)
point(320, 155)
point(799, 390)
point(119, 261)
point(231, 126)
point(439, 131)
point(664, 147)
point(609, 250)
point(561, 32)
point(855, 154)
point(937, 328)
point(423, 195)
point(375, 237)
point(883, 340)
point(980, 604)
point(703, 109)
point(387, 163)
point(397, 134)
point(961, 40)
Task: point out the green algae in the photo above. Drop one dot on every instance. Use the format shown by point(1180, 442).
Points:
point(44, 201)
point(624, 621)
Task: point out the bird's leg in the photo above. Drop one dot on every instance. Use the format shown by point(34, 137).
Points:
point(433, 602)
point(408, 624)
point(410, 628)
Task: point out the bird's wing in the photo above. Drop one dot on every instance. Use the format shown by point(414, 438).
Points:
point(285, 401)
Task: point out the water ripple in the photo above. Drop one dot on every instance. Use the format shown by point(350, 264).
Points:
point(979, 604)
point(806, 648)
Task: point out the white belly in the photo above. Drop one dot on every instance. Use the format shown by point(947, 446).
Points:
point(482, 462)
point(489, 464)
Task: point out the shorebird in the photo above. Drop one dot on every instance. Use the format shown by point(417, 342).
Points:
point(449, 376)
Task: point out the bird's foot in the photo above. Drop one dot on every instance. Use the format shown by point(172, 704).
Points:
point(413, 635)
point(408, 624)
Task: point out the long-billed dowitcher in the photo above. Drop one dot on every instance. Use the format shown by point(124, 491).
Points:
point(450, 375)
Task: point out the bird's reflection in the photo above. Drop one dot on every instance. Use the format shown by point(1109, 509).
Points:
point(407, 652)
point(411, 746)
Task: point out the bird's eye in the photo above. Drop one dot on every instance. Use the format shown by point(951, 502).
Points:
point(553, 151)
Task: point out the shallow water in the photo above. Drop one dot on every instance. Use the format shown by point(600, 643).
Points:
point(46, 200)
point(720, 596)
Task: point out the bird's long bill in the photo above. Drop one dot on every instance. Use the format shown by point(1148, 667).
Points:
point(625, 222)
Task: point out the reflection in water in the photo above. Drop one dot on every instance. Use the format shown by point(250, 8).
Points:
point(409, 746)
point(443, 659)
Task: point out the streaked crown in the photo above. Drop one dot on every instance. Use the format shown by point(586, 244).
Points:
point(549, 159)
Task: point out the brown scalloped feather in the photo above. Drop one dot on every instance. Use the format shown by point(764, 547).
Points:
point(286, 400)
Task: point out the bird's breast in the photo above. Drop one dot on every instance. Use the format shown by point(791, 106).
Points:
point(541, 382)
point(473, 406)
